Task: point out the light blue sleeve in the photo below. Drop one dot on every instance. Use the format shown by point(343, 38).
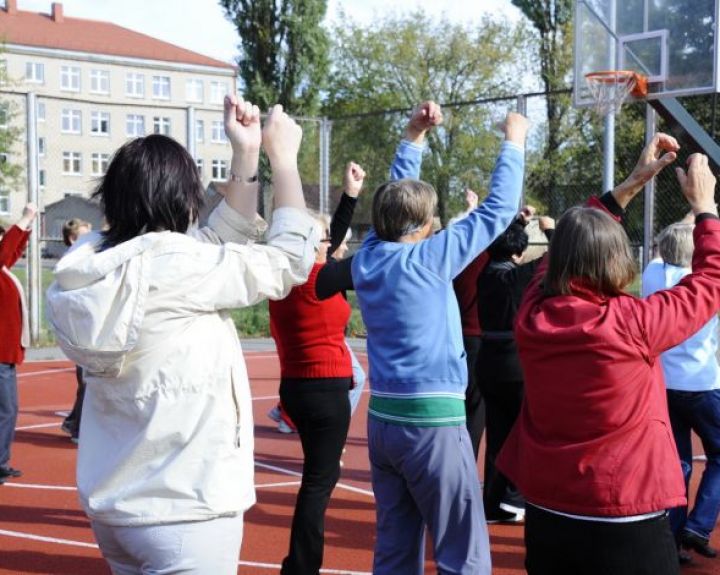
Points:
point(450, 251)
point(407, 162)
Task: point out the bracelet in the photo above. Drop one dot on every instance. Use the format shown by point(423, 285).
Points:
point(236, 178)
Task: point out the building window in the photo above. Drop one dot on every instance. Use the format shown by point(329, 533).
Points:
point(217, 92)
point(100, 81)
point(100, 123)
point(35, 72)
point(71, 163)
point(161, 87)
point(218, 132)
point(70, 78)
point(135, 85)
point(161, 125)
point(4, 202)
point(100, 164)
point(194, 90)
point(71, 121)
point(200, 166)
point(135, 125)
point(219, 170)
point(40, 111)
point(41, 146)
point(41, 178)
point(199, 131)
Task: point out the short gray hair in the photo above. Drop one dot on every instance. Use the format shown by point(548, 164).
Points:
point(402, 207)
point(676, 245)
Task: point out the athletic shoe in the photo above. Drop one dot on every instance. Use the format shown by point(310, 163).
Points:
point(501, 516)
point(67, 427)
point(275, 414)
point(684, 558)
point(74, 439)
point(700, 545)
point(513, 508)
point(7, 471)
point(284, 427)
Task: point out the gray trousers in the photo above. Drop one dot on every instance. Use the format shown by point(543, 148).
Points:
point(426, 477)
point(8, 409)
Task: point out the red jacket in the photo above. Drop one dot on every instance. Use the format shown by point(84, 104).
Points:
point(12, 246)
point(310, 333)
point(593, 436)
point(466, 292)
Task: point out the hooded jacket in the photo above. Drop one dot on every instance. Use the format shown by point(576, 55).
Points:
point(167, 429)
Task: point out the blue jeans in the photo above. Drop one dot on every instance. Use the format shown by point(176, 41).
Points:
point(358, 380)
point(426, 477)
point(8, 409)
point(697, 411)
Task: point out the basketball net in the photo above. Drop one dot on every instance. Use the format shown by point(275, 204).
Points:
point(610, 89)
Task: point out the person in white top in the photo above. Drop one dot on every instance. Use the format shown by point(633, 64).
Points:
point(165, 461)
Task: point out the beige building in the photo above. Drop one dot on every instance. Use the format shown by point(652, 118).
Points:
point(98, 85)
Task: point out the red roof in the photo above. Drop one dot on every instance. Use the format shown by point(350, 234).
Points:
point(79, 35)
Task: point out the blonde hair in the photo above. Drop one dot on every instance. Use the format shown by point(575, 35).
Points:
point(70, 230)
point(676, 245)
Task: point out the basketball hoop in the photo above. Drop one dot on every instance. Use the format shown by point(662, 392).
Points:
point(610, 89)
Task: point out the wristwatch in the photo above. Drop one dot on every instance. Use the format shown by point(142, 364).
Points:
point(235, 178)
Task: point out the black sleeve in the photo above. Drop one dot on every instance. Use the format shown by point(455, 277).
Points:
point(549, 234)
point(521, 276)
point(609, 201)
point(341, 221)
point(334, 277)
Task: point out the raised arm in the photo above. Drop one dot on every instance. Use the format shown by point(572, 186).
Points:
point(451, 250)
point(342, 218)
point(408, 157)
point(15, 239)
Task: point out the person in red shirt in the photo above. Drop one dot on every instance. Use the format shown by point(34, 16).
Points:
point(592, 450)
point(14, 333)
point(316, 376)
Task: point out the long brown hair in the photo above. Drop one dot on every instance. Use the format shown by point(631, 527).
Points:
point(589, 249)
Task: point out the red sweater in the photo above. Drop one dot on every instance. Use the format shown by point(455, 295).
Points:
point(466, 292)
point(310, 334)
point(11, 248)
point(593, 436)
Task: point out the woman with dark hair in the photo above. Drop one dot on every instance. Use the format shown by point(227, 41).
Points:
point(165, 461)
point(592, 450)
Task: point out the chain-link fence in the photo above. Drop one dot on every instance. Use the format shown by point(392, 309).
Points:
point(75, 140)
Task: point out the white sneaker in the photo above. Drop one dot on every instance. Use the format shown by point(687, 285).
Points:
point(274, 414)
point(519, 511)
point(284, 427)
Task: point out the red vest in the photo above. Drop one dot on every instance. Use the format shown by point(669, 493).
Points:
point(11, 248)
point(593, 436)
point(310, 334)
point(466, 292)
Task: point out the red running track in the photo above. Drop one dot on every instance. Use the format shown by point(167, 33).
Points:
point(44, 531)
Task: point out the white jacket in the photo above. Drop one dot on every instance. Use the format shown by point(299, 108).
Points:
point(167, 428)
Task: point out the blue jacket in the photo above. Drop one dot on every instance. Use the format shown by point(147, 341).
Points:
point(409, 307)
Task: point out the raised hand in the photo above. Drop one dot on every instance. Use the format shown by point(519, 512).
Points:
point(657, 155)
point(242, 124)
point(425, 117)
point(546, 223)
point(471, 199)
point(354, 178)
point(29, 213)
point(698, 185)
point(526, 214)
point(281, 138)
point(515, 127)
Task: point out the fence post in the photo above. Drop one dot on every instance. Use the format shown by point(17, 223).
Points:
point(34, 271)
point(521, 108)
point(190, 118)
point(327, 130)
point(649, 194)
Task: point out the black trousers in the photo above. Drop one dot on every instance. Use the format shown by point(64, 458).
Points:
point(320, 408)
point(503, 400)
point(73, 418)
point(474, 407)
point(558, 545)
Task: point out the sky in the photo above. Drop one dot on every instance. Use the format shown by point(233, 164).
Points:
point(200, 25)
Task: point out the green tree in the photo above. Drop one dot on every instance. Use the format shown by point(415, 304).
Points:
point(400, 61)
point(283, 51)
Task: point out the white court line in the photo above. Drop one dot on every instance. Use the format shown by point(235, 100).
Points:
point(36, 486)
point(282, 484)
point(34, 537)
point(38, 426)
point(277, 566)
point(296, 474)
point(45, 372)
